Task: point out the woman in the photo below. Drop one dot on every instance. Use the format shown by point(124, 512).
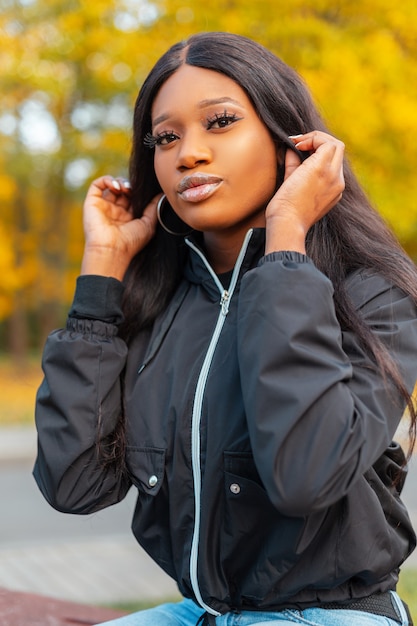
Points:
point(246, 361)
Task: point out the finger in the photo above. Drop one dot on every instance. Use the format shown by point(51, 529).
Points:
point(292, 162)
point(125, 185)
point(150, 211)
point(122, 198)
point(149, 217)
point(327, 159)
point(326, 152)
point(314, 140)
point(105, 184)
point(116, 191)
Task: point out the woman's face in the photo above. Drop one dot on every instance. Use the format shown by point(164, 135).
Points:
point(214, 157)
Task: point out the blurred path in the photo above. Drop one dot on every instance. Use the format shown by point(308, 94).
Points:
point(92, 559)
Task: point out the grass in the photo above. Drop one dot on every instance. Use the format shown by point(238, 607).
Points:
point(407, 589)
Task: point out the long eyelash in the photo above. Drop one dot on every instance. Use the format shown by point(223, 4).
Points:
point(233, 117)
point(150, 140)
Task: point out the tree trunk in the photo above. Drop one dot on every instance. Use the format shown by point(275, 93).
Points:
point(18, 336)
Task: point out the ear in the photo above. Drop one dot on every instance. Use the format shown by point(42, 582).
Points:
point(281, 151)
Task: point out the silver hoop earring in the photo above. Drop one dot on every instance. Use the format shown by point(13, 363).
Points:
point(168, 230)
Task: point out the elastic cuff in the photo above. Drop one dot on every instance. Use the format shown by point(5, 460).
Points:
point(98, 298)
point(287, 257)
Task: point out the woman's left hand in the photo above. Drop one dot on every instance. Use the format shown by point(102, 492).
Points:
point(310, 189)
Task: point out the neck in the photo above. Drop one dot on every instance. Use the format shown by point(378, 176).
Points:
point(223, 246)
point(222, 252)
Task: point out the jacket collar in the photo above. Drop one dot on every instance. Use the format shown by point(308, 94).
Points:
point(196, 272)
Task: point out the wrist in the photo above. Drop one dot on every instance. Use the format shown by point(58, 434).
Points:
point(284, 233)
point(104, 262)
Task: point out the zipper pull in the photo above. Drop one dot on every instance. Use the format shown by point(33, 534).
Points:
point(224, 302)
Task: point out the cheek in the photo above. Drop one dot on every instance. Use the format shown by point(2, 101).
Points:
point(158, 169)
point(162, 170)
point(257, 157)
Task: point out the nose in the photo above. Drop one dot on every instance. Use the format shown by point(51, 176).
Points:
point(193, 150)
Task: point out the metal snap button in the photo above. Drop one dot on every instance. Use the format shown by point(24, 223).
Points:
point(235, 488)
point(152, 480)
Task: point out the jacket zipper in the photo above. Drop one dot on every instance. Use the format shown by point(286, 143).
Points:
point(225, 298)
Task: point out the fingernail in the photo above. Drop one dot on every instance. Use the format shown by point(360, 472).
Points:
point(294, 136)
point(127, 184)
point(116, 184)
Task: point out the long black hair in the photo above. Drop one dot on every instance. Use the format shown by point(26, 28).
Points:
point(351, 236)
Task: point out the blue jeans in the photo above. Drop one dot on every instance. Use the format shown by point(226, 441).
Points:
point(186, 613)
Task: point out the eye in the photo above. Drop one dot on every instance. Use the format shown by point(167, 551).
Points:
point(222, 120)
point(166, 137)
point(161, 139)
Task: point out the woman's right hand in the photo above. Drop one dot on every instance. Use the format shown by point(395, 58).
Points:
point(112, 235)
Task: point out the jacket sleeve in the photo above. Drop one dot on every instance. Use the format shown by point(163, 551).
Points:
point(79, 401)
point(319, 412)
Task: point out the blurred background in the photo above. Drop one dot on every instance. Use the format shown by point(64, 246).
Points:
point(70, 71)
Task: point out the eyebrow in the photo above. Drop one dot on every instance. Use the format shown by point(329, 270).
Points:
point(201, 105)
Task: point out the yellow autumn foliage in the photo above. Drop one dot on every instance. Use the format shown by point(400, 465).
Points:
point(76, 66)
point(8, 272)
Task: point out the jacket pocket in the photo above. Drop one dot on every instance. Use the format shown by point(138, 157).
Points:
point(146, 468)
point(245, 495)
point(241, 464)
point(250, 513)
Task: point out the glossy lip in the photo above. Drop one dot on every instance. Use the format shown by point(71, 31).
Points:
point(197, 179)
point(198, 186)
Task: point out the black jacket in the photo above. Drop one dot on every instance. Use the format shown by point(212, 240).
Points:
point(258, 431)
